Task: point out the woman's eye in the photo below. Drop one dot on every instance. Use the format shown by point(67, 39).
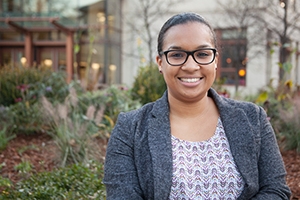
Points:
point(202, 54)
point(176, 54)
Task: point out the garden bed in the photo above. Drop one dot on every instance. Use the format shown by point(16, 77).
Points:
point(40, 150)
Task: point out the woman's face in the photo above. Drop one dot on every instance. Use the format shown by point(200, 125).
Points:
point(190, 81)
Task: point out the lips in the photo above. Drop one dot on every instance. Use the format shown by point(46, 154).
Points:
point(190, 80)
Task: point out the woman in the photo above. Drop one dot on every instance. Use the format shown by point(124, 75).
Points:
point(193, 143)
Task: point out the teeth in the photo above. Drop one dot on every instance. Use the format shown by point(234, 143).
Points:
point(190, 80)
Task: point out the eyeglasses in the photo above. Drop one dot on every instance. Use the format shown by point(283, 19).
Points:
point(203, 56)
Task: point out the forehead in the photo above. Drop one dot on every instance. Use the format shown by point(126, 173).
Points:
point(190, 35)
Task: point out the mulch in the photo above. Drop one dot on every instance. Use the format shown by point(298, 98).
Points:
point(38, 149)
point(292, 165)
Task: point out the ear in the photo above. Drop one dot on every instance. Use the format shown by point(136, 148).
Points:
point(216, 60)
point(159, 61)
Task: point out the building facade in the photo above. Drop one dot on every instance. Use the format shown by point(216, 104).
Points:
point(63, 35)
point(248, 49)
point(107, 41)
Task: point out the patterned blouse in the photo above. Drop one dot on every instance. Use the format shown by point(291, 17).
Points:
point(205, 169)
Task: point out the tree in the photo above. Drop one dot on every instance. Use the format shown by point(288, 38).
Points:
point(143, 20)
point(282, 20)
point(237, 20)
point(279, 17)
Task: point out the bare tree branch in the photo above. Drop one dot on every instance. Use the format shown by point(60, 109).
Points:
point(280, 18)
point(148, 12)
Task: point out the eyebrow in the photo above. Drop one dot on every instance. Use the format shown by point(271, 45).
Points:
point(180, 48)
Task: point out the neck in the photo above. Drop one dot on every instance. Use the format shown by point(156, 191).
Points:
point(189, 109)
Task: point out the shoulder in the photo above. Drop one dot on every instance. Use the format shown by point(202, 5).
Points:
point(236, 108)
point(244, 105)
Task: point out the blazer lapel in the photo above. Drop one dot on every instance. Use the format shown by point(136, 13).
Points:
point(241, 139)
point(159, 139)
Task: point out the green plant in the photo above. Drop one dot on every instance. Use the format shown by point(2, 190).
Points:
point(118, 99)
point(24, 168)
point(5, 137)
point(218, 86)
point(26, 118)
point(78, 181)
point(6, 119)
point(282, 106)
point(28, 84)
point(20, 90)
point(4, 183)
point(76, 124)
point(25, 148)
point(149, 85)
point(73, 128)
point(115, 99)
point(288, 125)
point(18, 84)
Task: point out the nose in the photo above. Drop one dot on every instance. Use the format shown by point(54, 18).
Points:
point(190, 64)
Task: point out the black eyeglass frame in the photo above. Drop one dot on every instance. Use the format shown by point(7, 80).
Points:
point(188, 54)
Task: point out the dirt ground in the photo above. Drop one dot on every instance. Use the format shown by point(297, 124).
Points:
point(40, 150)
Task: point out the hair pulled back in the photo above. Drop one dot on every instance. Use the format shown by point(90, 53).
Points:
point(182, 18)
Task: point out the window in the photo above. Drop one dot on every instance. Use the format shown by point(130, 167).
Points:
point(8, 5)
point(233, 56)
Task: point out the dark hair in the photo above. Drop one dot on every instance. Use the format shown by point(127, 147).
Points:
point(182, 18)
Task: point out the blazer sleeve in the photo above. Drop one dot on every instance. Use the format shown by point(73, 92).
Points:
point(272, 183)
point(120, 175)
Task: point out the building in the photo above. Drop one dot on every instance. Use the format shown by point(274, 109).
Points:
point(106, 41)
point(249, 47)
point(64, 36)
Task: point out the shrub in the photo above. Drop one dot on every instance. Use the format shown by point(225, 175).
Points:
point(6, 120)
point(288, 125)
point(28, 84)
point(78, 181)
point(282, 107)
point(118, 99)
point(115, 98)
point(20, 90)
point(5, 137)
point(72, 130)
point(149, 84)
point(76, 123)
point(14, 81)
point(26, 118)
point(218, 85)
point(24, 168)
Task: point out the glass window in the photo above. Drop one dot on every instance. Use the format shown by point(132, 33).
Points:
point(233, 56)
point(54, 57)
point(8, 5)
point(41, 36)
point(238, 33)
point(12, 57)
point(14, 36)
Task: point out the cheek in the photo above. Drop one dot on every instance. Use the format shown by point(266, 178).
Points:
point(168, 72)
point(214, 72)
point(211, 71)
point(164, 66)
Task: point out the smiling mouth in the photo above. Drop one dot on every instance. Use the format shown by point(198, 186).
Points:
point(190, 80)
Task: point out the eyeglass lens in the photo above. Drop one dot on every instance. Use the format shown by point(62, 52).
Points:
point(179, 57)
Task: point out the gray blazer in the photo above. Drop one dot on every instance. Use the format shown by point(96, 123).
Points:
point(138, 162)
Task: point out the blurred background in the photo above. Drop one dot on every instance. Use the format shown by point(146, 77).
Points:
point(69, 67)
point(109, 40)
